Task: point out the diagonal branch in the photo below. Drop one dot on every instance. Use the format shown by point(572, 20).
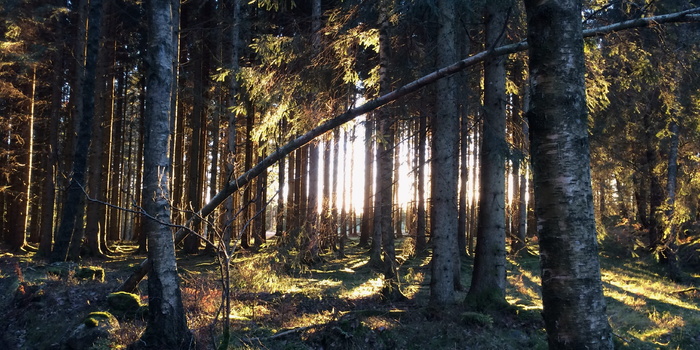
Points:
point(690, 15)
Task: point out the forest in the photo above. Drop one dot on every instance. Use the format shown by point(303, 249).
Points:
point(350, 174)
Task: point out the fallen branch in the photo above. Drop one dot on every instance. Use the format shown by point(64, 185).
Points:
point(691, 289)
point(232, 186)
point(278, 335)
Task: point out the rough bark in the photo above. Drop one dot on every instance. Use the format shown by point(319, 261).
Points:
point(444, 174)
point(70, 229)
point(51, 154)
point(167, 325)
point(670, 256)
point(572, 295)
point(420, 185)
point(488, 285)
point(366, 224)
point(232, 50)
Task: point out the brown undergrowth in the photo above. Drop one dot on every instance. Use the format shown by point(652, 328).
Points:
point(280, 304)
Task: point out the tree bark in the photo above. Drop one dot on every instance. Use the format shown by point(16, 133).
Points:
point(444, 265)
point(572, 294)
point(420, 186)
point(488, 285)
point(367, 209)
point(70, 230)
point(167, 325)
point(670, 256)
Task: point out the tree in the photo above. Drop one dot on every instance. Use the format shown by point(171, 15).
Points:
point(571, 284)
point(443, 210)
point(167, 325)
point(70, 231)
point(488, 285)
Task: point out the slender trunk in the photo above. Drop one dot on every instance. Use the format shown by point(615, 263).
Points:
point(488, 285)
point(368, 197)
point(326, 222)
point(420, 186)
point(232, 51)
point(198, 122)
point(522, 227)
point(347, 183)
point(334, 189)
point(259, 223)
point(70, 230)
point(51, 156)
point(310, 242)
point(247, 163)
point(464, 176)
point(671, 239)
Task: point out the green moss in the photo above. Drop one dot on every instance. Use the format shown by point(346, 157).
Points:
point(95, 318)
point(123, 304)
point(91, 273)
point(477, 319)
point(91, 322)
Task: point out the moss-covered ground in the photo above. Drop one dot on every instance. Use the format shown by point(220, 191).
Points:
point(337, 304)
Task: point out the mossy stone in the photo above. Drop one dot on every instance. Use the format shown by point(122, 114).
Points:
point(95, 318)
point(91, 273)
point(123, 304)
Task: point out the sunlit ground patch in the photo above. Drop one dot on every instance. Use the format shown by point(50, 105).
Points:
point(369, 288)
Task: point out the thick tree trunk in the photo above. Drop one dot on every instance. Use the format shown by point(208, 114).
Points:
point(488, 285)
point(443, 210)
point(70, 230)
point(571, 284)
point(167, 325)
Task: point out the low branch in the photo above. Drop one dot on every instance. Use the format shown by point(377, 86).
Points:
point(279, 335)
point(352, 113)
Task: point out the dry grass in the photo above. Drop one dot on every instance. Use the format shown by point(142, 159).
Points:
point(337, 305)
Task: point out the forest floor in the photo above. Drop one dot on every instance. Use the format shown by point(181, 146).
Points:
point(337, 304)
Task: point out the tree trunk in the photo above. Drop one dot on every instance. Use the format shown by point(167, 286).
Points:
point(51, 154)
point(167, 325)
point(443, 214)
point(310, 243)
point(488, 285)
point(420, 186)
point(571, 284)
point(368, 193)
point(464, 129)
point(670, 256)
point(232, 51)
point(196, 157)
point(70, 230)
